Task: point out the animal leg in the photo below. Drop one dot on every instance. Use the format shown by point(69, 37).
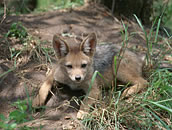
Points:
point(43, 92)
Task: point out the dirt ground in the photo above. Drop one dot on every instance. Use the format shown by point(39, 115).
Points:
point(60, 113)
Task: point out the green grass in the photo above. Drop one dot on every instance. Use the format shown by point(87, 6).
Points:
point(163, 8)
point(28, 6)
point(30, 45)
point(44, 5)
point(35, 50)
point(152, 109)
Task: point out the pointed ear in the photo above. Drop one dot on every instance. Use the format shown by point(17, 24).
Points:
point(60, 46)
point(88, 46)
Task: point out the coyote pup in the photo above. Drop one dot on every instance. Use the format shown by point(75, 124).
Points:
point(77, 63)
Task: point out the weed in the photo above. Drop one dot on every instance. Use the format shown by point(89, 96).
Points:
point(17, 30)
point(26, 46)
point(151, 109)
point(148, 42)
point(18, 116)
point(160, 6)
point(5, 125)
point(44, 5)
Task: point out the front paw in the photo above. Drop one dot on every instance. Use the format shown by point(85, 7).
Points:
point(81, 114)
point(37, 101)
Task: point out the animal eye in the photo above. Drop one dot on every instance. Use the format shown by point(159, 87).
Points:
point(69, 66)
point(83, 65)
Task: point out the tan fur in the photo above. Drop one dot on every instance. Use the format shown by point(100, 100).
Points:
point(71, 59)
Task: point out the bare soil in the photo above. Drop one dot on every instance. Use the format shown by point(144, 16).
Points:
point(60, 112)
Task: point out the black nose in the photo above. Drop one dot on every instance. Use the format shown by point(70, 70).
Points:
point(78, 78)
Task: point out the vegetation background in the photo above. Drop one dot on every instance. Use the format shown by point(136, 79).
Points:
point(146, 10)
point(149, 110)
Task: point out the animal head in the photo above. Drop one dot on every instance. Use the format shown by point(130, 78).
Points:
point(76, 61)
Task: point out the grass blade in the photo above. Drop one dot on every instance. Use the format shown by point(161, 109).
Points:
point(92, 82)
point(161, 106)
point(157, 30)
point(161, 121)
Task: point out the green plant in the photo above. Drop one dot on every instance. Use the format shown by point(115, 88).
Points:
point(44, 5)
point(30, 46)
point(5, 125)
point(163, 9)
point(18, 116)
point(151, 109)
point(17, 30)
point(149, 38)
